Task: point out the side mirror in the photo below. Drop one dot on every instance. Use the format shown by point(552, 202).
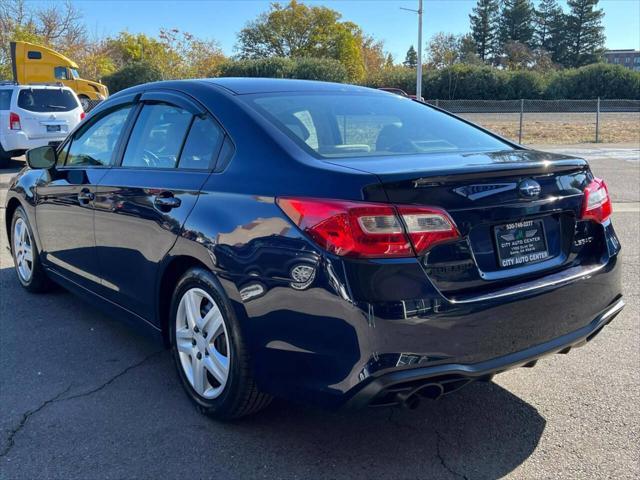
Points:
point(42, 157)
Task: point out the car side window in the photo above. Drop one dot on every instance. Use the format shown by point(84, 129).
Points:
point(5, 99)
point(157, 137)
point(93, 145)
point(202, 145)
point(62, 154)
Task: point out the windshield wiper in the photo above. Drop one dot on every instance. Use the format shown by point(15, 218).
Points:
point(56, 106)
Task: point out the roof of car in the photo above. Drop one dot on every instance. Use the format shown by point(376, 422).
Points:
point(243, 86)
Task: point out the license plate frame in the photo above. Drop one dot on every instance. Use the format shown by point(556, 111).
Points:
point(521, 243)
point(54, 128)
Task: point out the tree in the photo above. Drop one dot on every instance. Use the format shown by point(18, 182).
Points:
point(584, 32)
point(296, 30)
point(411, 59)
point(516, 22)
point(56, 26)
point(484, 23)
point(468, 50)
point(444, 50)
point(133, 74)
point(545, 16)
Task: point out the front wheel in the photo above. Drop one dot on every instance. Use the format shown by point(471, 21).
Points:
point(210, 355)
point(25, 254)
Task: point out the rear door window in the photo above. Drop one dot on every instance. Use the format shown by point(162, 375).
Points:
point(47, 100)
point(157, 137)
point(5, 99)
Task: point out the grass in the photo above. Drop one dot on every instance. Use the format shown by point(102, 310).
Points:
point(562, 127)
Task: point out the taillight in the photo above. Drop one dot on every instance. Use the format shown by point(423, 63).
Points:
point(370, 230)
point(597, 202)
point(14, 121)
point(82, 115)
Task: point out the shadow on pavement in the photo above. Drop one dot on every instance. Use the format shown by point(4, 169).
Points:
point(482, 431)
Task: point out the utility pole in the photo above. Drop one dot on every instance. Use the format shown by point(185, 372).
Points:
point(419, 69)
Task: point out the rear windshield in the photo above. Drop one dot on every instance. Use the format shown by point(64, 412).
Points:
point(5, 99)
point(359, 125)
point(47, 100)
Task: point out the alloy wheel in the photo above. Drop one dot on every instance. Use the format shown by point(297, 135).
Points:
point(202, 343)
point(23, 250)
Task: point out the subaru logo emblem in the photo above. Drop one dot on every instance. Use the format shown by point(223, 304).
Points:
point(529, 188)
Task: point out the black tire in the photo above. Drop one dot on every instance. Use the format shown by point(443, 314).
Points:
point(5, 157)
point(39, 282)
point(240, 395)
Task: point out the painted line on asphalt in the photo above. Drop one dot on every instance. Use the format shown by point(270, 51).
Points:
point(630, 207)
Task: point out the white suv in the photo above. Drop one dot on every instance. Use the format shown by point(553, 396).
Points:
point(35, 115)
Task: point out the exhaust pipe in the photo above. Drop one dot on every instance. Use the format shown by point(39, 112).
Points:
point(411, 401)
point(431, 390)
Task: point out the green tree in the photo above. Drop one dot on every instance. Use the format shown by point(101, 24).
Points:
point(484, 24)
point(132, 74)
point(469, 50)
point(443, 50)
point(584, 31)
point(545, 16)
point(516, 22)
point(411, 59)
point(296, 30)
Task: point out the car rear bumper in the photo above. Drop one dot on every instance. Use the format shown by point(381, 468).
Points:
point(19, 140)
point(400, 387)
point(334, 343)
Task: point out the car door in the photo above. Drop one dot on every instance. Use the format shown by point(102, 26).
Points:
point(143, 202)
point(64, 211)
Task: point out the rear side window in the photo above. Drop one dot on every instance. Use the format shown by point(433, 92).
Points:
point(202, 145)
point(34, 55)
point(5, 99)
point(93, 145)
point(47, 100)
point(157, 137)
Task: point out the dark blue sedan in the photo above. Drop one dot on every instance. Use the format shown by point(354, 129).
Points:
point(326, 243)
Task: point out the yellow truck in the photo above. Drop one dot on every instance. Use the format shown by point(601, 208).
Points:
point(37, 64)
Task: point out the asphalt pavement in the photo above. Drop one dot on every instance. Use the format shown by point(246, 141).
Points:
point(83, 396)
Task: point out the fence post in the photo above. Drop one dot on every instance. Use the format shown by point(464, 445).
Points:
point(521, 114)
point(598, 121)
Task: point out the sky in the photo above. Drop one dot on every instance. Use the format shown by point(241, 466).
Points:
point(221, 20)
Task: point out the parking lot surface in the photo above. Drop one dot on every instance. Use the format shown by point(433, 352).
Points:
point(83, 396)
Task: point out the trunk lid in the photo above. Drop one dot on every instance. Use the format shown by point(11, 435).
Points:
point(517, 212)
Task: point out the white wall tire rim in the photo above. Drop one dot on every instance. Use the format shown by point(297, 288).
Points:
point(202, 343)
point(23, 250)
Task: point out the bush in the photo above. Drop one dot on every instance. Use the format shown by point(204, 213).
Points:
point(274, 67)
point(597, 80)
point(484, 82)
point(304, 68)
point(324, 69)
point(130, 75)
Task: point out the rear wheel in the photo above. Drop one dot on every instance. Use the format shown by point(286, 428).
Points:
point(208, 349)
point(4, 157)
point(25, 254)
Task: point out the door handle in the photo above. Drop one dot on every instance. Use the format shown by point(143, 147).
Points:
point(85, 196)
point(166, 201)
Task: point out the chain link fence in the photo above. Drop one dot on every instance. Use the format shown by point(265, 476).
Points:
point(553, 121)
